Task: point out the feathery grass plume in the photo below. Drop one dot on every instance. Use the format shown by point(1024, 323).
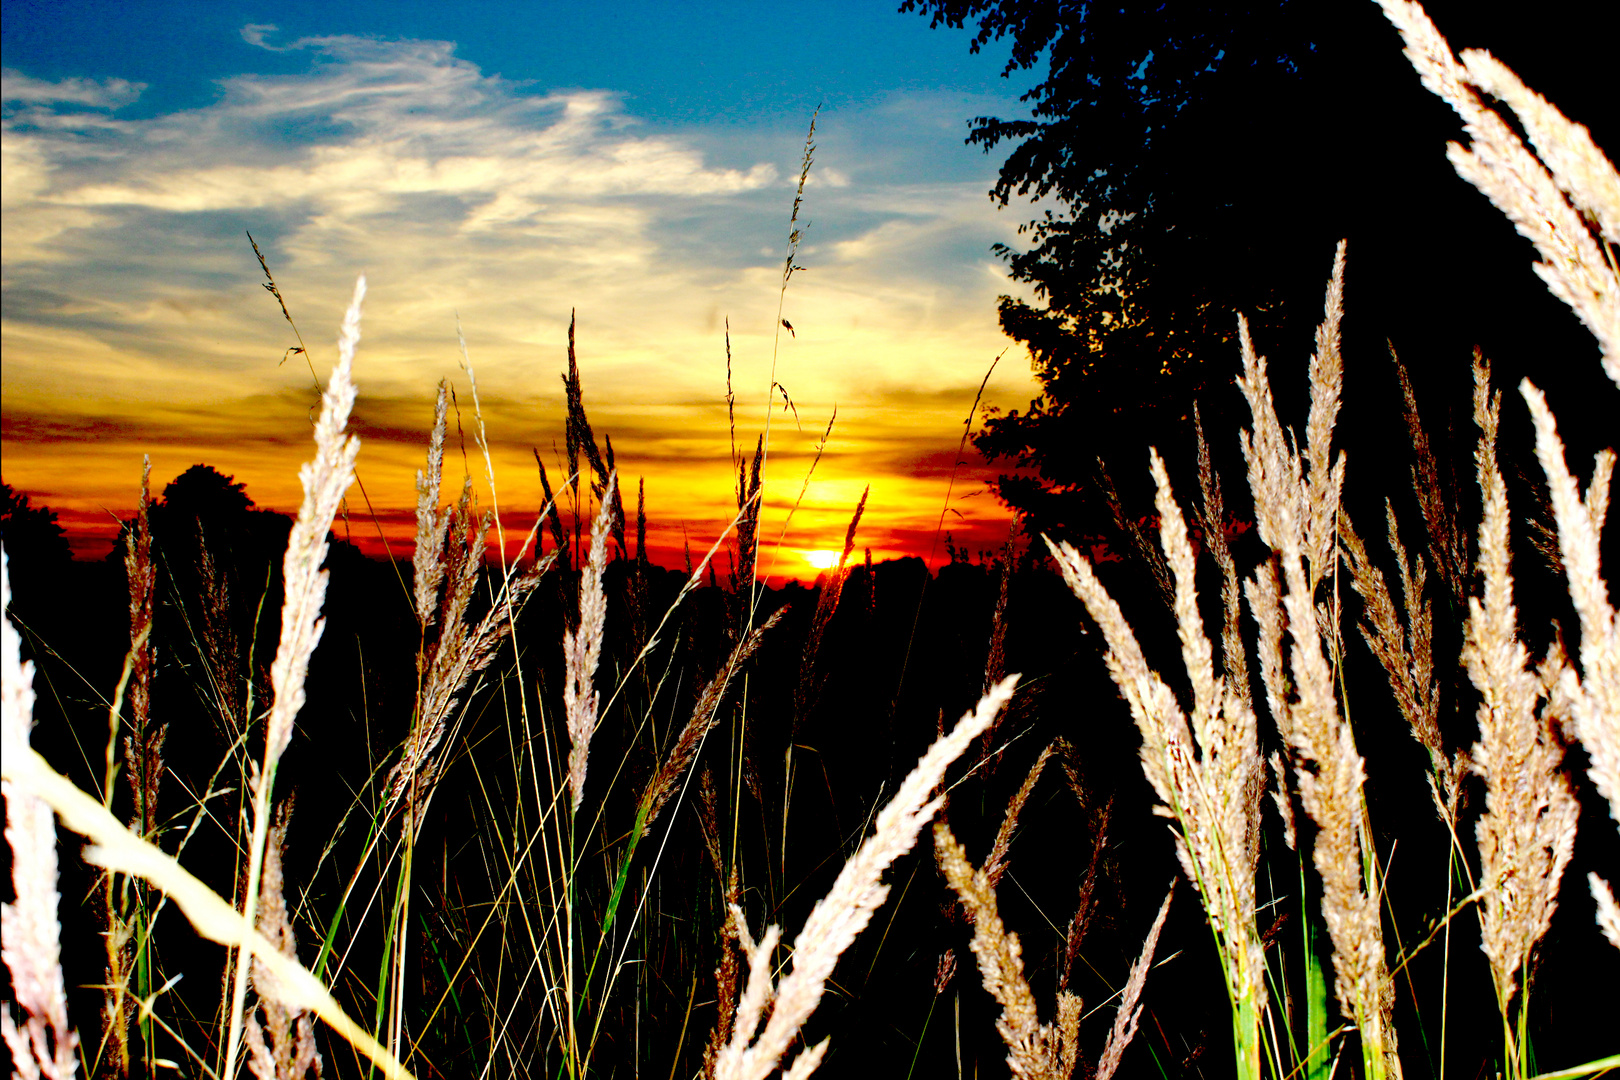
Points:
point(1527, 833)
point(1608, 912)
point(578, 431)
point(811, 679)
point(1086, 902)
point(143, 748)
point(995, 864)
point(995, 658)
point(116, 849)
point(143, 756)
point(1124, 1029)
point(324, 480)
point(30, 936)
point(461, 651)
point(1132, 531)
point(1208, 778)
point(1530, 191)
point(283, 1048)
point(1296, 499)
point(1212, 518)
point(431, 521)
point(552, 513)
point(702, 721)
point(1593, 695)
point(733, 946)
point(582, 649)
point(841, 915)
point(1406, 652)
point(1447, 541)
point(749, 487)
point(1035, 1051)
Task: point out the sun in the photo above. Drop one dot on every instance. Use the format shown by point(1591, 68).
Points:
point(822, 560)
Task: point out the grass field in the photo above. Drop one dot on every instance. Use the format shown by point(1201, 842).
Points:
point(895, 824)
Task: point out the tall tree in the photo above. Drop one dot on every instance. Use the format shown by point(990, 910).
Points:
point(1190, 160)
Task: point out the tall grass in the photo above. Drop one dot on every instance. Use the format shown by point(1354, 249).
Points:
point(558, 838)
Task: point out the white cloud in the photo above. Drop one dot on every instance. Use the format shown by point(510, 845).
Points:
point(96, 93)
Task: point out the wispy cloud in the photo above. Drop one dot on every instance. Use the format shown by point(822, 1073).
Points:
point(132, 307)
point(95, 93)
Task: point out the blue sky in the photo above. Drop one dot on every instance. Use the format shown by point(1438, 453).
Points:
point(504, 164)
point(677, 63)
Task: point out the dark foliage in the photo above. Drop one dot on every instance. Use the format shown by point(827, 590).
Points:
point(1204, 159)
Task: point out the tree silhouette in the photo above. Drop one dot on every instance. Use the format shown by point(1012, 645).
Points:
point(1190, 161)
point(34, 541)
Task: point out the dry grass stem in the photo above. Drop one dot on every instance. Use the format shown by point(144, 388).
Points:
point(1527, 833)
point(30, 936)
point(1531, 192)
point(842, 914)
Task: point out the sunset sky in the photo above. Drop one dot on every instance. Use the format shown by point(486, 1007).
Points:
point(505, 163)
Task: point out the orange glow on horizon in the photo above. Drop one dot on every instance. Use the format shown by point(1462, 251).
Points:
point(822, 560)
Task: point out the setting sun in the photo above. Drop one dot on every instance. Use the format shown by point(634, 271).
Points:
point(822, 560)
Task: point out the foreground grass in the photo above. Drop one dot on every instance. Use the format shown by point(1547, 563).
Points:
point(575, 862)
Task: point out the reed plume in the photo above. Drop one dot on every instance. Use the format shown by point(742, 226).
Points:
point(1544, 196)
point(582, 649)
point(1593, 695)
point(1035, 1050)
point(704, 715)
point(325, 480)
point(1527, 833)
point(1207, 777)
point(1405, 649)
point(1296, 500)
point(839, 916)
point(448, 558)
point(1447, 540)
point(811, 677)
point(115, 849)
